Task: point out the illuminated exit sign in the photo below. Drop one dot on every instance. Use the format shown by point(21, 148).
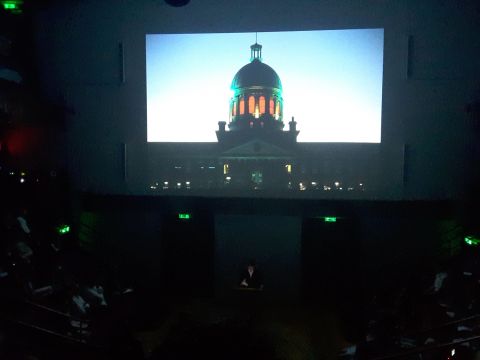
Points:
point(184, 216)
point(328, 219)
point(14, 6)
point(63, 229)
point(472, 240)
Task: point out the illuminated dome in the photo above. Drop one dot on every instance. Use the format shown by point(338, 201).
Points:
point(257, 96)
point(256, 74)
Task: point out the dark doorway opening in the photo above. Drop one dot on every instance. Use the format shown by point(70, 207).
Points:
point(188, 248)
point(331, 273)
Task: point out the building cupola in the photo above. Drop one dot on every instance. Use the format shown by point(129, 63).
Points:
point(257, 101)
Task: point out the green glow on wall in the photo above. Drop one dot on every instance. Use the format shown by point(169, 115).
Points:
point(472, 241)
point(13, 6)
point(184, 216)
point(330, 219)
point(63, 229)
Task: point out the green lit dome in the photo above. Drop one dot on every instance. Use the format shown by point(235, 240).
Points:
point(255, 74)
point(257, 96)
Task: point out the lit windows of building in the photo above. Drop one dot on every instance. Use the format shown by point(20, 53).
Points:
point(257, 112)
point(251, 104)
point(242, 106)
point(261, 103)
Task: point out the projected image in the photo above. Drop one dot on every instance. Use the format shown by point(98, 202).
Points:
point(329, 81)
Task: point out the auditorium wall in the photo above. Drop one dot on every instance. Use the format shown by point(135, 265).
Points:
point(430, 75)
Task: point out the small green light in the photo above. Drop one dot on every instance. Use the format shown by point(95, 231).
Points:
point(63, 229)
point(471, 240)
point(184, 216)
point(330, 219)
point(12, 5)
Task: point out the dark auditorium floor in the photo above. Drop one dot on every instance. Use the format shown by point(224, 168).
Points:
point(294, 331)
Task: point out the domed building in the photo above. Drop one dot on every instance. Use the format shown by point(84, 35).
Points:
point(257, 99)
point(256, 108)
point(254, 151)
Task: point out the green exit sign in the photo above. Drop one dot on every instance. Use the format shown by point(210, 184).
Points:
point(328, 219)
point(12, 5)
point(63, 229)
point(184, 216)
point(472, 240)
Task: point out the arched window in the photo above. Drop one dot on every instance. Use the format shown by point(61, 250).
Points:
point(242, 106)
point(251, 104)
point(261, 103)
point(271, 107)
point(277, 110)
point(234, 110)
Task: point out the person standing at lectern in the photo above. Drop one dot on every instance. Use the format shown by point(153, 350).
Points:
point(251, 278)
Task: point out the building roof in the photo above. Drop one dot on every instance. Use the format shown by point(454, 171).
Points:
point(256, 73)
